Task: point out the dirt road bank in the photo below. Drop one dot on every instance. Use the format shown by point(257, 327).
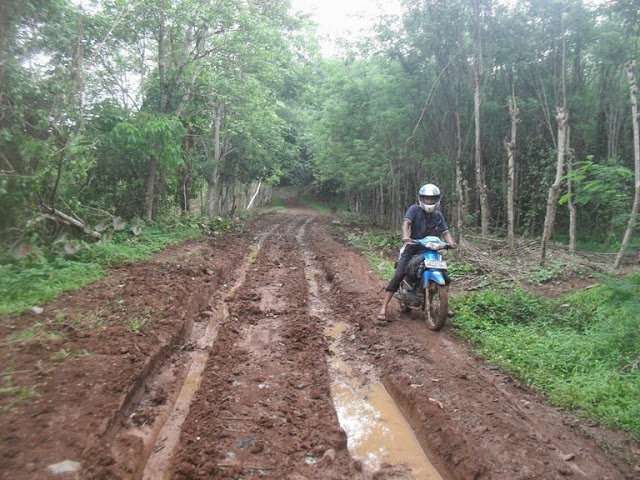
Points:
point(210, 361)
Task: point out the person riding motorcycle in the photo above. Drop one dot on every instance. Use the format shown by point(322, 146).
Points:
point(421, 220)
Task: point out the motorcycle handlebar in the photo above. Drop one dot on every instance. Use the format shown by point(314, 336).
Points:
point(446, 245)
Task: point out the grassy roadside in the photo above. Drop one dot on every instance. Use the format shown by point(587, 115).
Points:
point(38, 276)
point(581, 351)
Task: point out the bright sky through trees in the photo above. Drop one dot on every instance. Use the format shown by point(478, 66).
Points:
point(340, 18)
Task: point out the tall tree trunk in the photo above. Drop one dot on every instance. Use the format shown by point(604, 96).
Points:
point(77, 98)
point(150, 190)
point(510, 145)
point(460, 207)
point(562, 117)
point(635, 210)
point(212, 180)
point(184, 188)
point(162, 66)
point(573, 215)
point(6, 19)
point(477, 101)
point(253, 198)
point(183, 192)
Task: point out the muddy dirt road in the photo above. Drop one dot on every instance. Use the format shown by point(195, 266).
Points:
point(255, 355)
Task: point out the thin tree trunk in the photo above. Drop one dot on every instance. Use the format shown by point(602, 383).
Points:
point(572, 206)
point(254, 195)
point(510, 145)
point(162, 67)
point(635, 210)
point(562, 117)
point(150, 189)
point(77, 98)
point(57, 215)
point(477, 101)
point(615, 119)
point(213, 177)
point(460, 208)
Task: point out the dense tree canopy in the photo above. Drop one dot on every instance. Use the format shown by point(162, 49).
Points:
point(398, 110)
point(127, 109)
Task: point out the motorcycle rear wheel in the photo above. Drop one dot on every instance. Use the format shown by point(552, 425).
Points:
point(436, 305)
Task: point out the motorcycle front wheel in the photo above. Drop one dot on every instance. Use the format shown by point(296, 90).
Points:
point(436, 305)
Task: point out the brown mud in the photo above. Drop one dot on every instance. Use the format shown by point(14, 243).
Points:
point(212, 361)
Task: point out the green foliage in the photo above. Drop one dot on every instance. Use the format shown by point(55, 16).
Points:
point(12, 395)
point(582, 351)
point(218, 225)
point(35, 279)
point(458, 270)
point(607, 189)
point(23, 285)
point(60, 355)
point(544, 274)
point(372, 245)
point(37, 332)
point(136, 323)
point(277, 202)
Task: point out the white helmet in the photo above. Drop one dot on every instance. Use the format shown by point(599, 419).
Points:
point(429, 197)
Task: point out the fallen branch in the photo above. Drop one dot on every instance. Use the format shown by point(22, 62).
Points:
point(68, 220)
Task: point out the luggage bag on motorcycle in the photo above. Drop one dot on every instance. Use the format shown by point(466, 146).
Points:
point(414, 268)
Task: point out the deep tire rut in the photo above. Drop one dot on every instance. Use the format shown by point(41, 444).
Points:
point(248, 386)
point(265, 395)
point(230, 375)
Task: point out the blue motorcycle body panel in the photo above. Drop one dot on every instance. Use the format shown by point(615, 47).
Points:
point(432, 274)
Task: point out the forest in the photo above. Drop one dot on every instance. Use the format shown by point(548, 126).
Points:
point(125, 112)
point(140, 141)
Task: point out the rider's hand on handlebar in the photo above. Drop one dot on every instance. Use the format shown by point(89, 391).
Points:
point(407, 240)
point(453, 245)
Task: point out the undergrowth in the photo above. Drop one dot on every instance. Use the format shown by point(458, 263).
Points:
point(12, 395)
point(581, 351)
point(42, 274)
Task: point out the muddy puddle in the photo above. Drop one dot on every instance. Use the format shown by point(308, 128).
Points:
point(377, 432)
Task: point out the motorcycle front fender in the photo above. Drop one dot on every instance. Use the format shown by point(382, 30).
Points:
point(435, 275)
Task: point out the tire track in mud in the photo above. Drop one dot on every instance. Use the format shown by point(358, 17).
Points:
point(264, 406)
point(379, 434)
point(166, 440)
point(143, 435)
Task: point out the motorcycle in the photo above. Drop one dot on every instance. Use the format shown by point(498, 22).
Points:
point(424, 286)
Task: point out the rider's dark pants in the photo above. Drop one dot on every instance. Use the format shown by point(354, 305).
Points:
point(401, 266)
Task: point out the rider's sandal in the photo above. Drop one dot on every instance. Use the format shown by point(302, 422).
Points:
point(381, 319)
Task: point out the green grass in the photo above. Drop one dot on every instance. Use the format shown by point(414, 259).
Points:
point(12, 395)
point(37, 332)
point(124, 247)
point(22, 287)
point(36, 279)
point(136, 323)
point(582, 351)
